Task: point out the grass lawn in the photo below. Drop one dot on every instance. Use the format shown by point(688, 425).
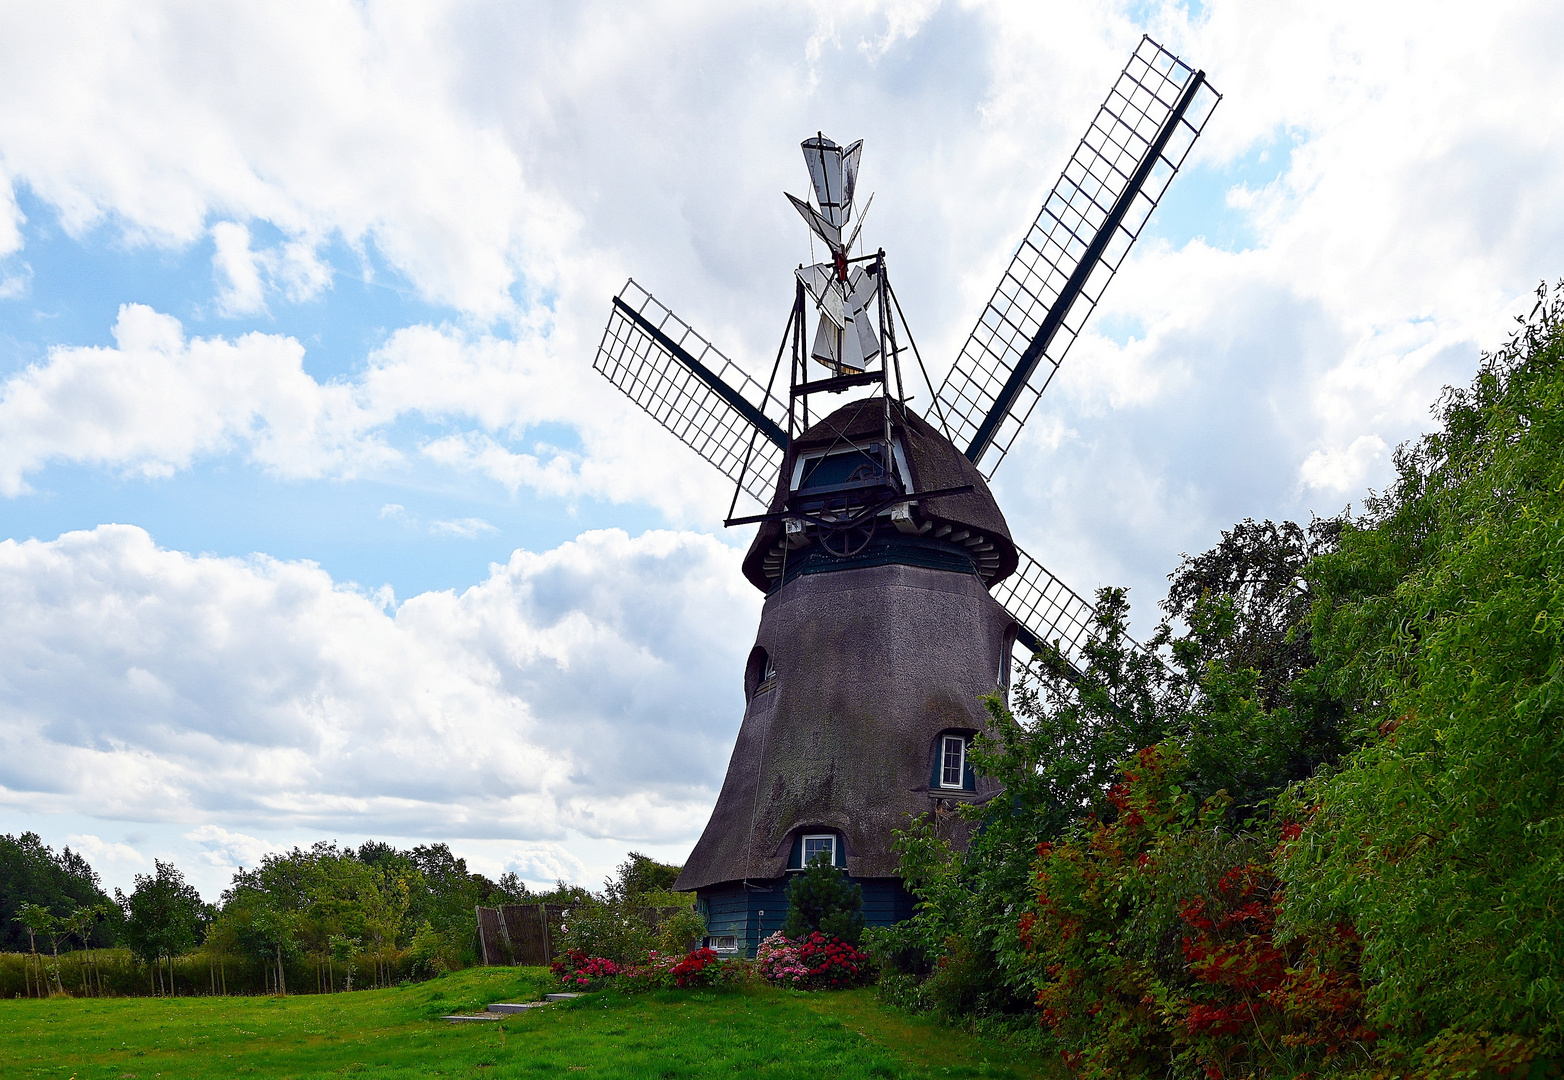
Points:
point(394, 1033)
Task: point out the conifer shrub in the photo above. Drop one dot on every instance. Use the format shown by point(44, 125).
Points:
point(821, 898)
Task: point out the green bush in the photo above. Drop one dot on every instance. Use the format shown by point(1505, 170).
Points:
point(821, 898)
point(623, 934)
point(681, 932)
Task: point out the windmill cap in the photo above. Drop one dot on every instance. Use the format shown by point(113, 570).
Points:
point(934, 464)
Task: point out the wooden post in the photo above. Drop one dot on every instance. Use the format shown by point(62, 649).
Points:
point(483, 941)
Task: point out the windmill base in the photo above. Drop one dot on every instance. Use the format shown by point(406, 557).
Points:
point(749, 912)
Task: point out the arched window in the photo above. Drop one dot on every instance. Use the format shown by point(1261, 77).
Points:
point(760, 674)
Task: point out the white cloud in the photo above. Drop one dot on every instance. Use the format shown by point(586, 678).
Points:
point(242, 291)
point(245, 275)
point(467, 528)
point(341, 119)
point(229, 851)
point(106, 855)
point(1412, 194)
point(156, 401)
point(547, 863)
point(1420, 164)
point(1344, 470)
point(589, 690)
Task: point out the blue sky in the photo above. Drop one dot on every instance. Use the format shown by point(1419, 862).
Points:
point(315, 522)
point(381, 530)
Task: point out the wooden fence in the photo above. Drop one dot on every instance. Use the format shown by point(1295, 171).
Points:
point(520, 934)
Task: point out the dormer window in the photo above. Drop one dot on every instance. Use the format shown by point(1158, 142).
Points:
point(951, 770)
point(821, 847)
point(849, 467)
point(953, 762)
point(805, 847)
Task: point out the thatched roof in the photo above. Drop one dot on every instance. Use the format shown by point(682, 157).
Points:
point(934, 463)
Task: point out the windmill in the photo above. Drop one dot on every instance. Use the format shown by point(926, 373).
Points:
point(895, 596)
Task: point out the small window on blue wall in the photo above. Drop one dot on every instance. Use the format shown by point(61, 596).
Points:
point(952, 768)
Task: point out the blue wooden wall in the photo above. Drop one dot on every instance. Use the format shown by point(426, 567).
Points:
point(755, 911)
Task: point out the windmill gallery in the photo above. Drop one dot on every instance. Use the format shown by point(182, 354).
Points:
point(895, 595)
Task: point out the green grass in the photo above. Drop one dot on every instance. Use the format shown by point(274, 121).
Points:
point(750, 1031)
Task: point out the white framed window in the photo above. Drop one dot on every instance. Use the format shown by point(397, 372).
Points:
point(815, 846)
point(723, 943)
point(953, 761)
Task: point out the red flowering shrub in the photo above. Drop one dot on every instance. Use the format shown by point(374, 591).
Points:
point(700, 967)
point(813, 962)
point(1151, 942)
point(833, 962)
point(577, 970)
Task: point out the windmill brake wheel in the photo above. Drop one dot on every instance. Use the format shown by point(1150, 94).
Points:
point(847, 540)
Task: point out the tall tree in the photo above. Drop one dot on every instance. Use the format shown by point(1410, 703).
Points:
point(164, 916)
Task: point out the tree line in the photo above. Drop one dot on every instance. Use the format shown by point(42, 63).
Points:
point(325, 917)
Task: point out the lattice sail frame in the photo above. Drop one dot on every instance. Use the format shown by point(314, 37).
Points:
point(1146, 94)
point(1047, 608)
point(650, 375)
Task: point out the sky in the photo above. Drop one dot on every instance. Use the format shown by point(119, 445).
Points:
point(316, 523)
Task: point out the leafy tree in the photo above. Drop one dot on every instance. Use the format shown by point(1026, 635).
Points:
point(1258, 716)
point(1259, 567)
point(1229, 686)
point(821, 898)
point(35, 919)
point(81, 924)
point(32, 873)
point(164, 916)
point(640, 876)
point(345, 951)
point(295, 902)
point(1440, 621)
point(444, 893)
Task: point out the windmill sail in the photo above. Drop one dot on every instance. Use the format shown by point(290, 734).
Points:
point(1047, 610)
point(1113, 181)
point(694, 391)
